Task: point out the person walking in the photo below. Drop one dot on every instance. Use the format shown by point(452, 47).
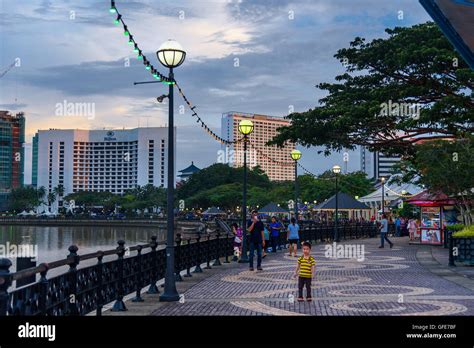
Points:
point(275, 228)
point(383, 232)
point(257, 240)
point(305, 271)
point(293, 236)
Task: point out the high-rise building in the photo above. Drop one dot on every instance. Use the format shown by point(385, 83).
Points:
point(376, 164)
point(100, 160)
point(12, 139)
point(265, 128)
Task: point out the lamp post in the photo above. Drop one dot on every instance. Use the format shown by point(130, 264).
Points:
point(336, 170)
point(171, 55)
point(383, 194)
point(245, 128)
point(296, 155)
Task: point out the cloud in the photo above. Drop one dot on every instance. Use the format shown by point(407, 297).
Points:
point(262, 56)
point(15, 107)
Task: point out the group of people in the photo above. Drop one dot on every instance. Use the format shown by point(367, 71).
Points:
point(401, 226)
point(260, 234)
point(404, 225)
point(265, 236)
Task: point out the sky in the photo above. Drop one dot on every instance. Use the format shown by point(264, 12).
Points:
point(254, 56)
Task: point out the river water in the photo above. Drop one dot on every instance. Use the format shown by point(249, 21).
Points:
point(51, 243)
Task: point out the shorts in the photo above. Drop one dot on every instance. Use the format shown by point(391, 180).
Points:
point(293, 241)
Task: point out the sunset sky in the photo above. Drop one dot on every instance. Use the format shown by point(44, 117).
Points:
point(71, 51)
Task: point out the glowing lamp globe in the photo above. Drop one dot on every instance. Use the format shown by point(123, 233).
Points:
point(296, 155)
point(171, 54)
point(245, 127)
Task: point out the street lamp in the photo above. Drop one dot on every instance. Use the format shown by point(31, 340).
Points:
point(171, 55)
point(382, 179)
point(245, 128)
point(336, 170)
point(296, 155)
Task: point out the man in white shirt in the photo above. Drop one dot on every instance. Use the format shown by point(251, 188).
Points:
point(383, 232)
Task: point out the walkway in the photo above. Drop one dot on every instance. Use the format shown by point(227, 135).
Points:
point(405, 280)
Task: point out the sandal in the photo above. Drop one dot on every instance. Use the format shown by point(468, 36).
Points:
point(300, 299)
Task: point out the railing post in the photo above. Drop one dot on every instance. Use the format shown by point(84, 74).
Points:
point(100, 282)
point(208, 252)
point(217, 261)
point(198, 247)
point(72, 280)
point(153, 289)
point(5, 282)
point(138, 275)
point(119, 305)
point(189, 258)
point(178, 261)
point(451, 250)
point(43, 291)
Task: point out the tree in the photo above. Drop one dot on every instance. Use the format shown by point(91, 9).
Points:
point(410, 84)
point(444, 166)
point(25, 198)
point(220, 174)
point(51, 198)
point(261, 191)
point(59, 191)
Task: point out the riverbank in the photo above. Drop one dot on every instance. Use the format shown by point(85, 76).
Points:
point(93, 222)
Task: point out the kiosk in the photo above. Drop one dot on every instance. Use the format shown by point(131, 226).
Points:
point(431, 229)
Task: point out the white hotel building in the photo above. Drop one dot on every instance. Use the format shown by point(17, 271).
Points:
point(100, 160)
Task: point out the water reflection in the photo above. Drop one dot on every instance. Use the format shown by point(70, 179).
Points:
point(52, 242)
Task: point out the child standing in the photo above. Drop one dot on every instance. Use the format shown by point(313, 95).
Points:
point(237, 231)
point(305, 271)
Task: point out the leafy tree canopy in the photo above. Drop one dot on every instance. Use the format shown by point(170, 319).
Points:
point(409, 84)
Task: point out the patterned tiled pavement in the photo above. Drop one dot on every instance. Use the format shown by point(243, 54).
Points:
point(387, 282)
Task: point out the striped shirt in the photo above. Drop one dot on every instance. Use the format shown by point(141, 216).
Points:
point(305, 266)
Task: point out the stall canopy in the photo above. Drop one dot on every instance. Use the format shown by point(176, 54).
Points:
point(345, 202)
point(392, 192)
point(214, 211)
point(272, 208)
point(428, 199)
point(456, 19)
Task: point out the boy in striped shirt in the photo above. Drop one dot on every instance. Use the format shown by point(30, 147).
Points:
point(305, 271)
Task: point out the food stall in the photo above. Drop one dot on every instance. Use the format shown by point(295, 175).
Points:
point(431, 227)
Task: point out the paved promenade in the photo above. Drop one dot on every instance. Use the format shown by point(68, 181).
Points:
point(405, 280)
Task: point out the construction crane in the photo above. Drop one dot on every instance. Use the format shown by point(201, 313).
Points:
point(3, 72)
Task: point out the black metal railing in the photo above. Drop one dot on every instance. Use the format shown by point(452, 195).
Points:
point(80, 291)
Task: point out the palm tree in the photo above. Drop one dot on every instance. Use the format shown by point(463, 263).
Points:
point(59, 191)
point(51, 199)
point(41, 192)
